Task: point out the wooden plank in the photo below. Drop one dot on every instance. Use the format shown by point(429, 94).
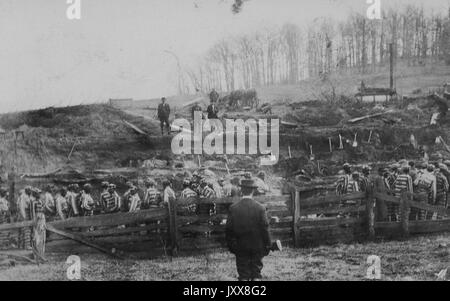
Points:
point(82, 240)
point(121, 231)
point(296, 219)
point(416, 227)
point(263, 199)
point(335, 209)
point(14, 226)
point(115, 219)
point(334, 222)
point(331, 199)
point(414, 204)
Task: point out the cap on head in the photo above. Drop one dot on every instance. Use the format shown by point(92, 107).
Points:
point(87, 188)
point(105, 184)
point(430, 167)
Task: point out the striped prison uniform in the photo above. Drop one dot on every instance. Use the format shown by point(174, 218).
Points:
point(110, 202)
point(425, 184)
point(188, 193)
point(4, 210)
point(341, 184)
point(151, 198)
point(87, 204)
point(441, 191)
point(135, 203)
point(403, 183)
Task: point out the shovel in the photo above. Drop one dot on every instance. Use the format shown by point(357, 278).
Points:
point(341, 145)
point(311, 156)
point(355, 143)
point(370, 137)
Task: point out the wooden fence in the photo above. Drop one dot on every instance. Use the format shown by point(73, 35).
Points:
point(197, 226)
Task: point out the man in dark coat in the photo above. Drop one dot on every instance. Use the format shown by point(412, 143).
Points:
point(212, 110)
point(163, 115)
point(247, 233)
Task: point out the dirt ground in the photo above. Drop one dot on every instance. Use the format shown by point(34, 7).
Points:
point(419, 258)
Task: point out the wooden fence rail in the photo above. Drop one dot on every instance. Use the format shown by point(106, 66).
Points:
point(198, 225)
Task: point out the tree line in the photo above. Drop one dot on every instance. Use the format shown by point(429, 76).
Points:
point(290, 54)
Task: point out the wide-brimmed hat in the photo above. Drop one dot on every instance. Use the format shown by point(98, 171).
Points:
point(248, 183)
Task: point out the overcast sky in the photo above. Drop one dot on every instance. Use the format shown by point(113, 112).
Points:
point(118, 48)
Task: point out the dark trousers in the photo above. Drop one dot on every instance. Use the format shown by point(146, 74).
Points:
point(164, 120)
point(249, 267)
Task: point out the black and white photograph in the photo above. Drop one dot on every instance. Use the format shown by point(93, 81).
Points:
point(224, 144)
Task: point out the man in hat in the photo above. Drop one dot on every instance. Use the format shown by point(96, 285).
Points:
point(104, 193)
point(247, 233)
point(163, 115)
point(212, 110)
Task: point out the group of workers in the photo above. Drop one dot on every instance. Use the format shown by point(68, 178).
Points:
point(62, 203)
point(431, 180)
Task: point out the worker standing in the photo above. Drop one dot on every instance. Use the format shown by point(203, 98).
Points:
point(403, 183)
point(87, 203)
point(62, 205)
point(163, 115)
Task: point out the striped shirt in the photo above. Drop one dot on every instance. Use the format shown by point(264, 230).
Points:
point(110, 201)
point(4, 210)
point(188, 193)
point(403, 183)
point(87, 203)
point(135, 203)
point(441, 184)
point(207, 193)
point(151, 197)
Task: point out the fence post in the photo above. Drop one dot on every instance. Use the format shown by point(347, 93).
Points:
point(370, 211)
point(404, 214)
point(173, 228)
point(296, 221)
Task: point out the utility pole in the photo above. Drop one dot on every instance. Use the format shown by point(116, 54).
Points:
point(391, 71)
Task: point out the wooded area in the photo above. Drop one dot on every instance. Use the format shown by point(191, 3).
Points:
point(289, 54)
